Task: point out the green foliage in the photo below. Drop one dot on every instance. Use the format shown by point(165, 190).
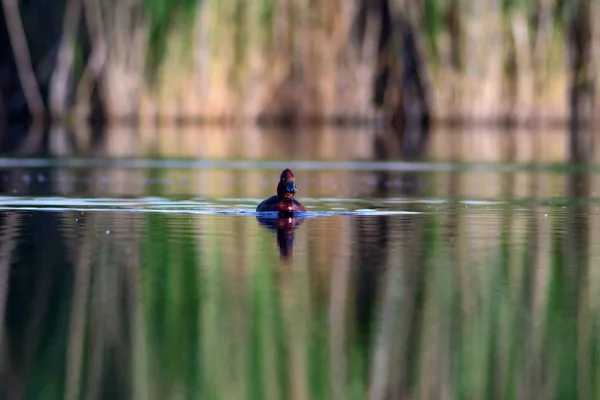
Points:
point(164, 16)
point(267, 15)
point(434, 21)
point(509, 6)
point(241, 34)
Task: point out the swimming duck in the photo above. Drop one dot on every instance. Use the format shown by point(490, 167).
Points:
point(283, 201)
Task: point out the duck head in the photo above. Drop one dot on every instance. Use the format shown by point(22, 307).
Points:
point(286, 188)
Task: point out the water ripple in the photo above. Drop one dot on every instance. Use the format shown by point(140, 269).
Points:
point(164, 205)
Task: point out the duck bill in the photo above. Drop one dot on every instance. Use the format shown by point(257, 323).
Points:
point(290, 187)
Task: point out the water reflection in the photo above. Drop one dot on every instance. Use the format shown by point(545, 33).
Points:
point(284, 226)
point(158, 281)
point(480, 144)
point(454, 302)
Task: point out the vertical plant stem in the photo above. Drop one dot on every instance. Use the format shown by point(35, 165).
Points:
point(387, 324)
point(97, 59)
point(139, 359)
point(18, 41)
point(59, 83)
point(81, 285)
point(582, 83)
point(33, 142)
point(7, 246)
point(337, 334)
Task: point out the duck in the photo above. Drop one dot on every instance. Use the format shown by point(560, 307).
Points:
point(283, 201)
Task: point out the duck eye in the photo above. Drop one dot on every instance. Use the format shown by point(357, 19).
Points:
point(283, 178)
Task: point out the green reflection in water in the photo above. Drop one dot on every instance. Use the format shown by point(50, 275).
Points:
point(465, 302)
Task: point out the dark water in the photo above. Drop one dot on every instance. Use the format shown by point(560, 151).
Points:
point(447, 277)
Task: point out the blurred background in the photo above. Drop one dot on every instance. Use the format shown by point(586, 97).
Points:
point(149, 61)
point(445, 149)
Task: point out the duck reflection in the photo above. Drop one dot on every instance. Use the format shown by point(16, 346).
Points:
point(284, 225)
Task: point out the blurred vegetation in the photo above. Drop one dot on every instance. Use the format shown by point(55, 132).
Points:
point(189, 58)
point(163, 17)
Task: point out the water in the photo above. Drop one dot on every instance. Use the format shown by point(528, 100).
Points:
point(150, 276)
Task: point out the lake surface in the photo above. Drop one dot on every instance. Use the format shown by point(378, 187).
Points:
point(136, 268)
